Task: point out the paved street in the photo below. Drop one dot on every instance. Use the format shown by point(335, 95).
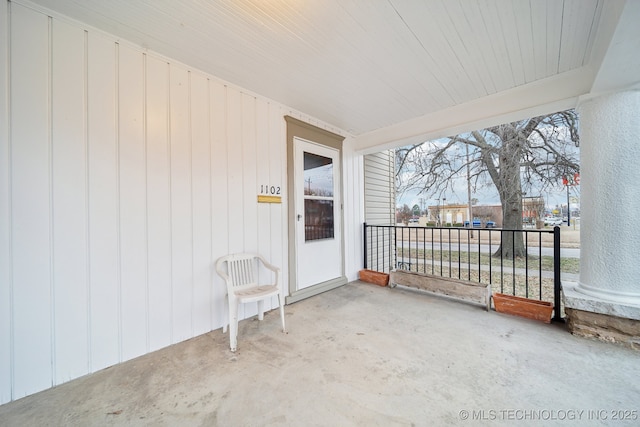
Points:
point(485, 248)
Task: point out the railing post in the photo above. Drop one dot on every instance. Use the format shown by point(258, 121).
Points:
point(364, 240)
point(394, 260)
point(557, 285)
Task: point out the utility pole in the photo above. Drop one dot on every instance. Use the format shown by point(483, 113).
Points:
point(444, 199)
point(568, 208)
point(469, 209)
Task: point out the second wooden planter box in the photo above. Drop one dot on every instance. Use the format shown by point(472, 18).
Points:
point(523, 307)
point(375, 277)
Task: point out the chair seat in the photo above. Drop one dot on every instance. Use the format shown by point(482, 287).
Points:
point(259, 292)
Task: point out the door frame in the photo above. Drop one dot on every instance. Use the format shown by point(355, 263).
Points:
point(302, 130)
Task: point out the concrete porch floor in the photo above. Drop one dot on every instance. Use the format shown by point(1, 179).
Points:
point(359, 355)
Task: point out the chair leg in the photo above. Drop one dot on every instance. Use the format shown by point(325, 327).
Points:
point(226, 315)
point(233, 325)
point(281, 304)
point(261, 309)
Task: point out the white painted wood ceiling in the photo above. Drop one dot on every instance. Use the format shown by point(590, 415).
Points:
point(359, 65)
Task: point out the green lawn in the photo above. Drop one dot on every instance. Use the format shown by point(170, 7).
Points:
point(567, 265)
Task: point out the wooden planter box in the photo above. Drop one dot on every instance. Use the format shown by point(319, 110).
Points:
point(523, 307)
point(375, 277)
point(461, 290)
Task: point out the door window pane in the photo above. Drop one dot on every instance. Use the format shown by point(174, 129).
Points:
point(318, 219)
point(318, 175)
point(318, 197)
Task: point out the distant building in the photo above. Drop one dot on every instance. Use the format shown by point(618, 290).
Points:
point(458, 214)
point(533, 209)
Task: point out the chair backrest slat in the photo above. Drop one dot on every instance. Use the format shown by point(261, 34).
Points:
point(242, 272)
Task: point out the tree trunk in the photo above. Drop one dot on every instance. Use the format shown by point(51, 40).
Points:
point(511, 242)
point(509, 187)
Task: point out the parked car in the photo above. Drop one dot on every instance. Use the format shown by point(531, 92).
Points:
point(490, 224)
point(552, 221)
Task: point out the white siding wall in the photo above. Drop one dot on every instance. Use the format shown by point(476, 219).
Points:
point(123, 175)
point(379, 205)
point(379, 188)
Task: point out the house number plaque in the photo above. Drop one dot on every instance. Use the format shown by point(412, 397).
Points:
point(269, 194)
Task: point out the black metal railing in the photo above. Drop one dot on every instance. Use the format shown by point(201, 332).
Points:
point(480, 255)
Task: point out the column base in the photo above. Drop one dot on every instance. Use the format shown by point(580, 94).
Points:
point(590, 316)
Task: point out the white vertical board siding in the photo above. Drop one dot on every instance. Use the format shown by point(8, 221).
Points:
point(201, 204)
point(249, 184)
point(270, 169)
point(241, 174)
point(219, 192)
point(278, 177)
point(158, 203)
point(248, 192)
point(235, 198)
point(5, 234)
point(69, 196)
point(123, 177)
point(104, 232)
point(353, 209)
point(181, 219)
point(32, 306)
point(132, 178)
point(262, 178)
point(248, 171)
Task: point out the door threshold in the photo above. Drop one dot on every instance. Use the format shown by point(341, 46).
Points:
point(316, 289)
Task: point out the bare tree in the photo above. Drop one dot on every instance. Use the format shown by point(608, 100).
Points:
point(435, 212)
point(403, 214)
point(513, 157)
point(533, 210)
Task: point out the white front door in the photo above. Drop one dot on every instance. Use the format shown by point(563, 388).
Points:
point(318, 220)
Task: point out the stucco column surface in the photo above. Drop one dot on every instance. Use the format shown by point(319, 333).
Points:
point(610, 198)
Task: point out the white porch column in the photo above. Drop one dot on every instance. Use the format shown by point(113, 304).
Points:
point(609, 286)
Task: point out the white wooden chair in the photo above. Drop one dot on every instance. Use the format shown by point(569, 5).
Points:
point(241, 277)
